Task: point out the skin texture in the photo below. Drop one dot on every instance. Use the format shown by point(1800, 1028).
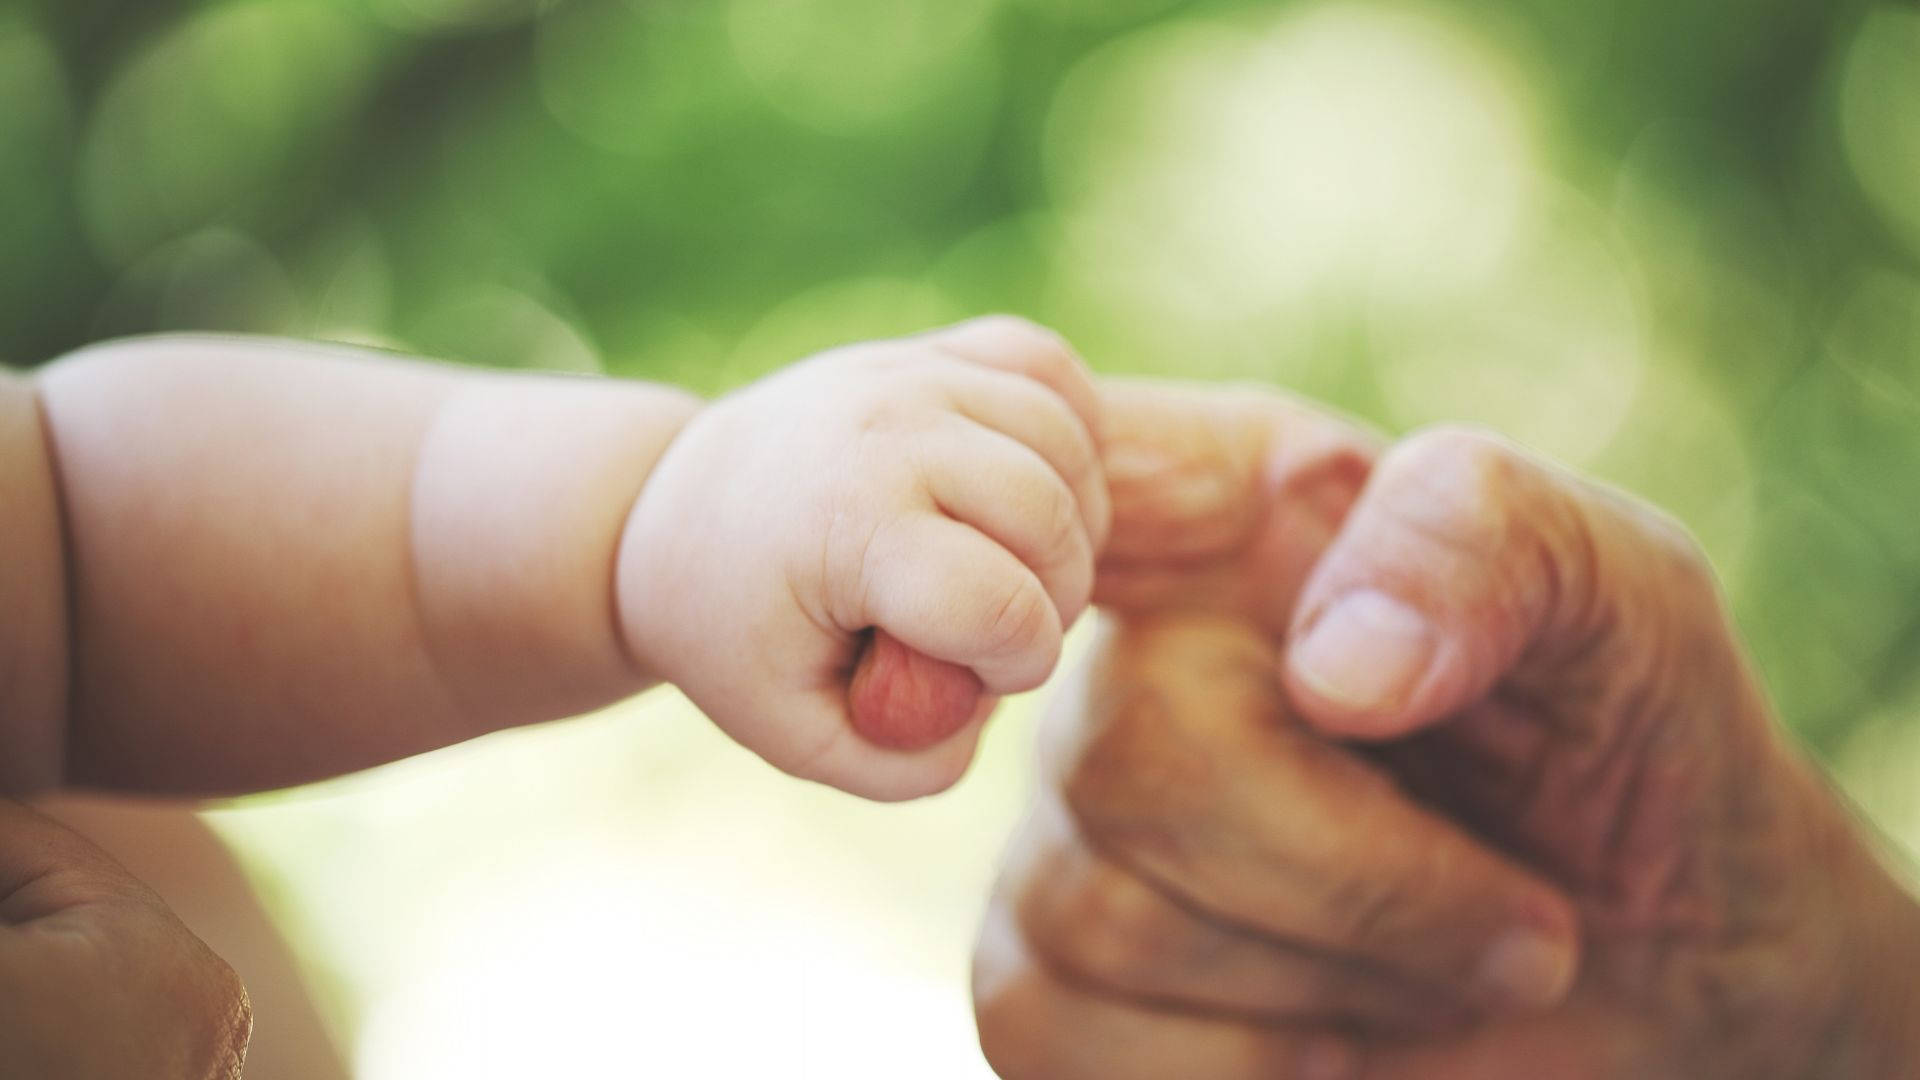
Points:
point(237, 564)
point(945, 488)
point(100, 979)
point(172, 852)
point(346, 558)
point(1544, 825)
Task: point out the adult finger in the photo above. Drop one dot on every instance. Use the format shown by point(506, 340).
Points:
point(1223, 497)
point(1187, 767)
point(1195, 471)
point(1035, 1026)
point(1462, 556)
point(1102, 927)
point(170, 849)
point(1577, 1042)
point(98, 977)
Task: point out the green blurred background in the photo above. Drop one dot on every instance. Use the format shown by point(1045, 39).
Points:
point(1676, 243)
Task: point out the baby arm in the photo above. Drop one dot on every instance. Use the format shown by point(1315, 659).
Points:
point(252, 563)
point(290, 561)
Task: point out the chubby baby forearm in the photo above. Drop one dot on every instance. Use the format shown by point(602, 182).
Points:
point(291, 561)
point(274, 562)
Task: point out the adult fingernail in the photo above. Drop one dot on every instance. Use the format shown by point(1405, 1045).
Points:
point(1526, 970)
point(1367, 652)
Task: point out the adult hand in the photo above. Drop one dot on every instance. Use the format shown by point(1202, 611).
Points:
point(1511, 723)
point(98, 980)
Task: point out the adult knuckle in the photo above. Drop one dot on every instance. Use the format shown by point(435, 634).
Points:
point(220, 1021)
point(1005, 1034)
point(1456, 446)
point(1105, 772)
point(233, 1034)
point(1455, 485)
point(1367, 911)
point(1137, 782)
point(1003, 1043)
point(1102, 931)
point(1674, 547)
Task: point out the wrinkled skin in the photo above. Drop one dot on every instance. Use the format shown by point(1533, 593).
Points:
point(1239, 870)
point(101, 980)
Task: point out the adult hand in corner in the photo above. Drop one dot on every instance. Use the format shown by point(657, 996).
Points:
point(100, 980)
point(1511, 804)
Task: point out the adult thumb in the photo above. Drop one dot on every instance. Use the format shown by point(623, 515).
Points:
point(1463, 559)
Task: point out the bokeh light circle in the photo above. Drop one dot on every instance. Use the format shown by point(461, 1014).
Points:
point(1548, 350)
point(204, 123)
point(846, 65)
point(1880, 114)
point(1235, 188)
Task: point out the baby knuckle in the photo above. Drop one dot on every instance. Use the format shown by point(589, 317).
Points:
point(1080, 457)
point(1037, 350)
point(1019, 622)
point(1060, 530)
point(861, 362)
point(879, 415)
point(868, 355)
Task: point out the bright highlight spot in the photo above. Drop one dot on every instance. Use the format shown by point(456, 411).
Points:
point(1880, 114)
point(573, 967)
point(1344, 146)
point(1549, 350)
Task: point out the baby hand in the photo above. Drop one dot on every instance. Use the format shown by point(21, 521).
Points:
point(845, 563)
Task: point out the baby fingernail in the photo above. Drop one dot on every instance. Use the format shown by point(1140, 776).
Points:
point(1366, 652)
point(1526, 970)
